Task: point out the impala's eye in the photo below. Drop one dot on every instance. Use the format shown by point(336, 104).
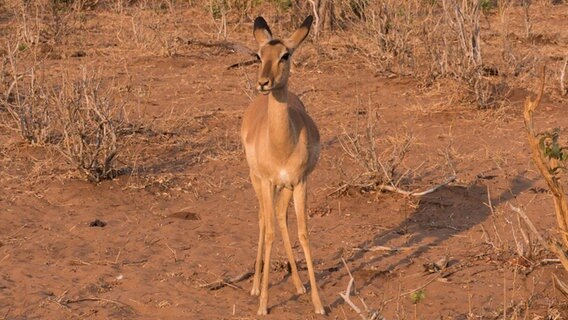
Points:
point(285, 57)
point(257, 57)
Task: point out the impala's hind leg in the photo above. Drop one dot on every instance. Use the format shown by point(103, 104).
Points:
point(282, 216)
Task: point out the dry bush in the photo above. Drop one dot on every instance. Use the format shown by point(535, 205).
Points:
point(379, 162)
point(43, 22)
point(388, 30)
point(25, 100)
point(79, 117)
point(376, 168)
point(429, 40)
point(380, 159)
point(90, 122)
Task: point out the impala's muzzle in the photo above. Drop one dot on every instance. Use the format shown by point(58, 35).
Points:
point(264, 85)
point(265, 82)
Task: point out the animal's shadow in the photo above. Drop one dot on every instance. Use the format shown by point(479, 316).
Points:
point(439, 216)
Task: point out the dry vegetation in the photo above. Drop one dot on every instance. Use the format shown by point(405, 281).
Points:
point(418, 103)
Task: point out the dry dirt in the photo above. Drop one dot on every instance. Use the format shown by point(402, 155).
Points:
point(187, 216)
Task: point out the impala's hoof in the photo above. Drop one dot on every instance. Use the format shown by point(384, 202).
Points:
point(255, 292)
point(301, 289)
point(262, 311)
point(320, 310)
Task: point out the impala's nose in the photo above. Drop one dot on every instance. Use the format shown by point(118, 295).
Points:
point(263, 84)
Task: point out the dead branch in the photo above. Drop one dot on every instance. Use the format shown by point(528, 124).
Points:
point(563, 88)
point(560, 285)
point(365, 315)
point(392, 188)
point(216, 285)
point(317, 18)
point(384, 248)
point(232, 47)
point(115, 302)
point(558, 250)
point(242, 64)
point(546, 165)
point(434, 277)
point(347, 293)
point(529, 223)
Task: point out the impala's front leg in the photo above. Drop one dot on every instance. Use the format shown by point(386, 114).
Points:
point(300, 204)
point(268, 195)
point(255, 291)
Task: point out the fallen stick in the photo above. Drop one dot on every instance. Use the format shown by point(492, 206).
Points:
point(392, 188)
point(560, 285)
point(118, 303)
point(529, 223)
point(383, 248)
point(242, 64)
point(227, 45)
point(366, 315)
point(563, 88)
point(346, 295)
point(216, 285)
point(434, 277)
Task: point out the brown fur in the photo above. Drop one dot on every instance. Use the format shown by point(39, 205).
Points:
point(282, 148)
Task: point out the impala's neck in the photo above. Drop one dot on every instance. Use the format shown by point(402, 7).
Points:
point(280, 127)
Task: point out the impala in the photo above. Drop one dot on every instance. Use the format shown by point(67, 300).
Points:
point(282, 147)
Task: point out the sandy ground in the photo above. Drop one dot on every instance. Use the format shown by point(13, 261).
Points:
point(187, 217)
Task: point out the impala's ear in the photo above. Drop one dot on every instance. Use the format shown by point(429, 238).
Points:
point(300, 34)
point(261, 31)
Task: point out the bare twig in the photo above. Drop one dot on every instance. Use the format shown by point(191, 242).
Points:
point(365, 315)
point(434, 277)
point(115, 302)
point(558, 250)
point(346, 295)
point(563, 89)
point(173, 252)
point(317, 18)
point(417, 193)
point(384, 248)
point(242, 64)
point(560, 285)
point(391, 188)
point(223, 44)
point(529, 223)
point(216, 285)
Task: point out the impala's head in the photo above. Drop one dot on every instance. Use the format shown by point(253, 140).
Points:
point(275, 54)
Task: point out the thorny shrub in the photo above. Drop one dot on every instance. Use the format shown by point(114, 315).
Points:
point(376, 167)
point(79, 117)
point(430, 40)
point(89, 122)
point(26, 102)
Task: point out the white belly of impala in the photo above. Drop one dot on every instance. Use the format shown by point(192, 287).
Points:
point(284, 176)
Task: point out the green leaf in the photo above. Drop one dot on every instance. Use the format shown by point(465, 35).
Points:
point(417, 296)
